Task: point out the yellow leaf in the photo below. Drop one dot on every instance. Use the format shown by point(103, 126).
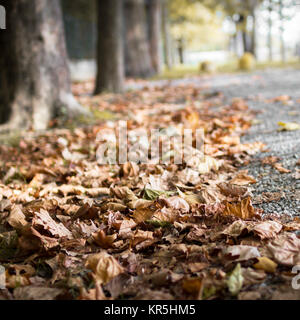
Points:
point(192, 286)
point(265, 264)
point(288, 126)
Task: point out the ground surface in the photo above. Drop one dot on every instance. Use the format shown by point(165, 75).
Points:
point(223, 226)
point(258, 89)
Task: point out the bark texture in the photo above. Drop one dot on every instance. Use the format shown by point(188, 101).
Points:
point(110, 75)
point(167, 35)
point(34, 78)
point(138, 60)
point(155, 24)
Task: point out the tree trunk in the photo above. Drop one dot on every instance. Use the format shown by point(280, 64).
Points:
point(155, 33)
point(253, 34)
point(110, 74)
point(167, 36)
point(34, 78)
point(282, 42)
point(181, 51)
point(138, 61)
point(270, 23)
point(245, 41)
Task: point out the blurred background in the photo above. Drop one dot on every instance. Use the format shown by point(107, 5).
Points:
point(182, 34)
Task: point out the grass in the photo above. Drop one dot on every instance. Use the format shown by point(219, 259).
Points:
point(11, 139)
point(183, 71)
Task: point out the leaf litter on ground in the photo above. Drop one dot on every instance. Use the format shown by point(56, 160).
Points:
point(71, 228)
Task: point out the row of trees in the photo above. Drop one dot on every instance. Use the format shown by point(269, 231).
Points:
point(140, 23)
point(241, 12)
point(35, 83)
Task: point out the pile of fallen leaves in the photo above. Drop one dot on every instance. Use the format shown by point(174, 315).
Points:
point(73, 229)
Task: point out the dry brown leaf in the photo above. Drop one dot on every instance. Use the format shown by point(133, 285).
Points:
point(43, 219)
point(280, 168)
point(231, 190)
point(242, 179)
point(285, 249)
point(270, 160)
point(165, 215)
point(175, 203)
point(267, 229)
point(17, 218)
point(104, 266)
point(242, 209)
point(103, 240)
point(237, 228)
point(252, 276)
point(141, 236)
point(241, 253)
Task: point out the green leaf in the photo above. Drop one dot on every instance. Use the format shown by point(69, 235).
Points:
point(235, 280)
point(150, 194)
point(159, 224)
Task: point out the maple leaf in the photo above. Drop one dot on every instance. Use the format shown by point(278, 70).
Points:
point(103, 240)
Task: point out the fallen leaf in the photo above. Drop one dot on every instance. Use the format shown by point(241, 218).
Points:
point(288, 126)
point(242, 209)
point(104, 266)
point(17, 218)
point(235, 280)
point(242, 179)
point(103, 240)
point(267, 229)
point(241, 253)
point(43, 219)
point(265, 264)
point(285, 249)
point(280, 168)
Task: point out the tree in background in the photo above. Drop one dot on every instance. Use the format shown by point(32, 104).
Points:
point(137, 50)
point(154, 9)
point(110, 54)
point(34, 79)
point(240, 12)
point(193, 24)
point(167, 40)
point(286, 12)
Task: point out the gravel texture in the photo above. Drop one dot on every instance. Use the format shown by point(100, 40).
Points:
point(256, 88)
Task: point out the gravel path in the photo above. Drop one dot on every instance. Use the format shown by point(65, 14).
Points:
point(256, 88)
